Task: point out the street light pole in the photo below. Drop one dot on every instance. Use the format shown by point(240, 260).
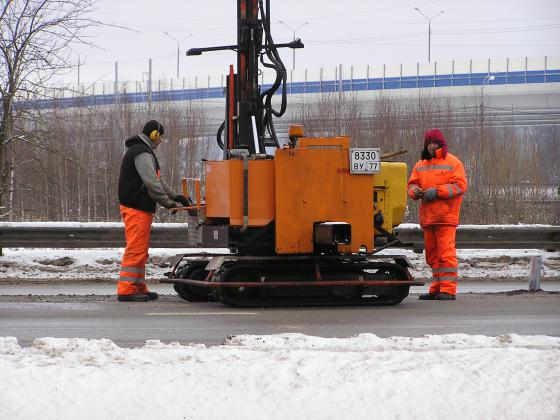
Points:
point(429, 19)
point(293, 38)
point(482, 154)
point(178, 48)
point(485, 81)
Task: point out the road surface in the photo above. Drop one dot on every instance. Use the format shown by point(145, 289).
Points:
point(29, 316)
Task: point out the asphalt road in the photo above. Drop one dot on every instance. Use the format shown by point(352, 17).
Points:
point(171, 319)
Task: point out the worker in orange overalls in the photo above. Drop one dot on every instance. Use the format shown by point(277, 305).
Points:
point(439, 180)
point(140, 188)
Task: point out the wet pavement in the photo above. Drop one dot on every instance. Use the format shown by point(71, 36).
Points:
point(26, 314)
point(106, 288)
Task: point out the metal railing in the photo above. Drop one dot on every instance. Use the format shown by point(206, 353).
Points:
point(348, 78)
point(315, 86)
point(84, 235)
point(490, 236)
point(111, 235)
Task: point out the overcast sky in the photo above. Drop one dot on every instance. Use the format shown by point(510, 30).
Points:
point(334, 32)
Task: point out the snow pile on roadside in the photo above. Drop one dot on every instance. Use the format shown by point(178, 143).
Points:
point(19, 264)
point(510, 264)
point(284, 376)
point(38, 265)
point(99, 264)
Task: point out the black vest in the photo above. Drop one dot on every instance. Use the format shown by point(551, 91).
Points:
point(132, 191)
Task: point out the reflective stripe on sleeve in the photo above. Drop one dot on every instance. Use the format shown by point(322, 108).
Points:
point(434, 167)
point(450, 191)
point(459, 190)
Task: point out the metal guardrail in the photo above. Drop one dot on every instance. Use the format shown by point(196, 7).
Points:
point(111, 235)
point(490, 236)
point(84, 235)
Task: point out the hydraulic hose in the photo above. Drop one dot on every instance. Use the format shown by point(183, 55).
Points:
point(219, 135)
point(278, 66)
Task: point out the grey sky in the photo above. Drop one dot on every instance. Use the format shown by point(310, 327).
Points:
point(339, 32)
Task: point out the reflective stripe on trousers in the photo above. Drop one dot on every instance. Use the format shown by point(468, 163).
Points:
point(439, 242)
point(137, 225)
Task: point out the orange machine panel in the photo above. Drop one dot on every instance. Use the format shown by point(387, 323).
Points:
point(225, 191)
point(314, 184)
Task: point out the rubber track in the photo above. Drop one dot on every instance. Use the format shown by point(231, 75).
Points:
point(262, 298)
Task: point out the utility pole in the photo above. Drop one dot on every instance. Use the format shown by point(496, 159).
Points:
point(79, 64)
point(80, 60)
point(429, 19)
point(178, 48)
point(149, 88)
point(116, 87)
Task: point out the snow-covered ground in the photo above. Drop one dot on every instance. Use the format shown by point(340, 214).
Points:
point(288, 376)
point(19, 264)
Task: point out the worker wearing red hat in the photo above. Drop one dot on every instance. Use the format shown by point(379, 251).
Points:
point(140, 188)
point(439, 180)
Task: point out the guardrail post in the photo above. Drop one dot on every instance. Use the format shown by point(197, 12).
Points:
point(535, 275)
point(418, 247)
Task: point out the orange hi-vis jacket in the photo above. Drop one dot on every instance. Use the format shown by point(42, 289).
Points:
point(447, 175)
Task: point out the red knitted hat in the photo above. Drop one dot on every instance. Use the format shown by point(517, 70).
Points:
point(435, 135)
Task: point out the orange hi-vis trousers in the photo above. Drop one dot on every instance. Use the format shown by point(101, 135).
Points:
point(441, 256)
point(137, 225)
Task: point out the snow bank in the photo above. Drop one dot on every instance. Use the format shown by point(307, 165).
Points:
point(287, 376)
point(99, 264)
point(83, 224)
point(19, 264)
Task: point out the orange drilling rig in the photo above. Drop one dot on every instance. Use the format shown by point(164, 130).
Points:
point(299, 219)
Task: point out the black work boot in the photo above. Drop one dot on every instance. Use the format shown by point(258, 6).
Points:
point(152, 295)
point(137, 297)
point(427, 296)
point(445, 296)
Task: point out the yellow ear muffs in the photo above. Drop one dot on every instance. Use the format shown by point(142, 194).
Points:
point(154, 135)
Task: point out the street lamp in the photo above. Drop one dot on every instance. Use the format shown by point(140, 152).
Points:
point(487, 79)
point(429, 19)
point(178, 49)
point(293, 38)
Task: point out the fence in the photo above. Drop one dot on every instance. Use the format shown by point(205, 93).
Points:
point(340, 79)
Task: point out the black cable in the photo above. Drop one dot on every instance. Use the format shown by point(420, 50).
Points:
point(281, 77)
point(219, 135)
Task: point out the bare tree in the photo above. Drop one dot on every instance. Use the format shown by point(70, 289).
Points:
point(35, 36)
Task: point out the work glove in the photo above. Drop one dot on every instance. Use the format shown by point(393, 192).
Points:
point(185, 201)
point(172, 206)
point(417, 192)
point(430, 194)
